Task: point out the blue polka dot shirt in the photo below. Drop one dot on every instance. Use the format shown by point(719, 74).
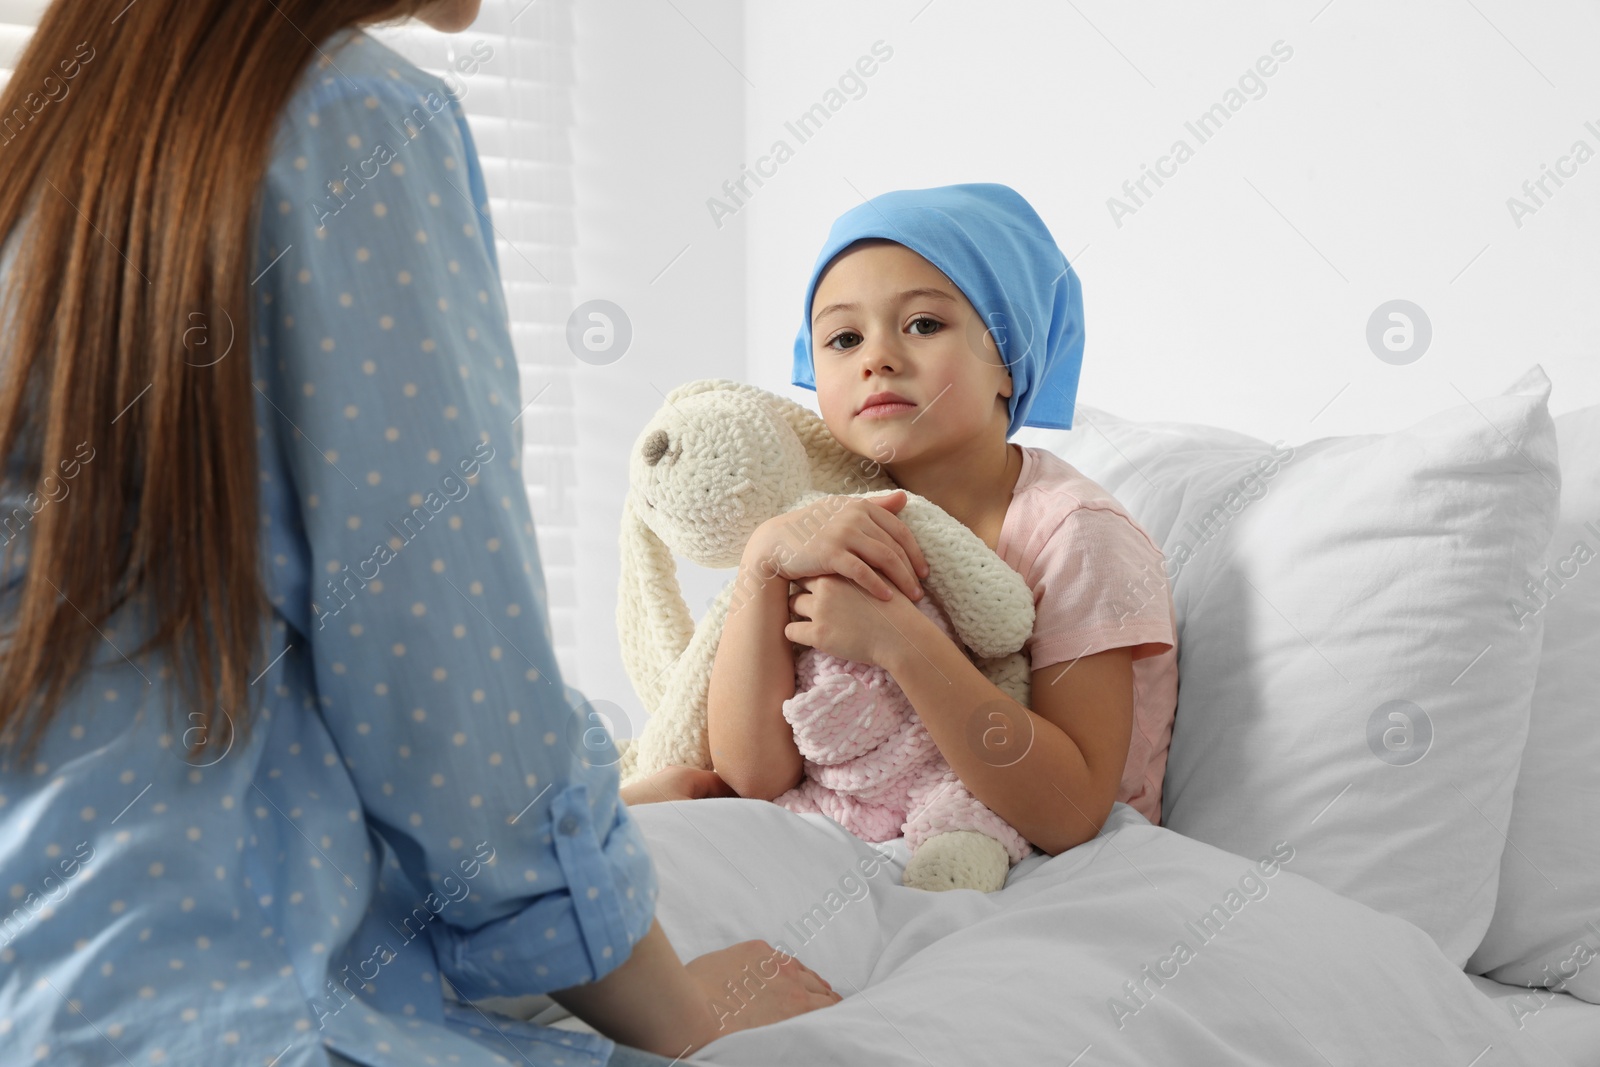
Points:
point(422, 797)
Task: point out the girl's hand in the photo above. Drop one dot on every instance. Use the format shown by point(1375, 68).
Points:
point(859, 538)
point(836, 617)
point(785, 986)
point(677, 782)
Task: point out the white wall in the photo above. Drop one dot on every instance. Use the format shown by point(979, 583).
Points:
point(1376, 166)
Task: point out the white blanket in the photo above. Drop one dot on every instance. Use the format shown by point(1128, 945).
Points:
point(1075, 962)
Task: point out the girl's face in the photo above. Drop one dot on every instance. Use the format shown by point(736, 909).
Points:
point(886, 320)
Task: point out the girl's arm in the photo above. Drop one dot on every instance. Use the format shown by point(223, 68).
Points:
point(1052, 771)
point(752, 745)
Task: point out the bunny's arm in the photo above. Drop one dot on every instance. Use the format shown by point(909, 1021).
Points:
point(989, 604)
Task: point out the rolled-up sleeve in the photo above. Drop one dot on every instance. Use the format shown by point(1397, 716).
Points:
point(389, 373)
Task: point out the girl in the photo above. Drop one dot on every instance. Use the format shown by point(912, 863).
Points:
point(937, 322)
point(284, 745)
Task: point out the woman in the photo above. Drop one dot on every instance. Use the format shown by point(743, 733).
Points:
point(285, 747)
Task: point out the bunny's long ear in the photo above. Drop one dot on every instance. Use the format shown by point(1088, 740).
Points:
point(653, 623)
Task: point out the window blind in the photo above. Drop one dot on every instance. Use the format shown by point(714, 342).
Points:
point(514, 72)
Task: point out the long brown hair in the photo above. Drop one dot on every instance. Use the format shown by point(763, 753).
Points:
point(133, 139)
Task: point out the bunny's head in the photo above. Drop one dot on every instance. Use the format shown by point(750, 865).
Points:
point(719, 459)
point(709, 468)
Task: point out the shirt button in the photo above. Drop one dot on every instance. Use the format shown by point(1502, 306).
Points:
point(568, 825)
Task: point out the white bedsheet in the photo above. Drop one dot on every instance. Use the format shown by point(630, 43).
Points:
point(1562, 1021)
point(1293, 974)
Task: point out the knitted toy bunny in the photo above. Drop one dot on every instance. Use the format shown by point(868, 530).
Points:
point(715, 462)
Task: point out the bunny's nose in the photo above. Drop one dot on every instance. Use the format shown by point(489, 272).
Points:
point(655, 446)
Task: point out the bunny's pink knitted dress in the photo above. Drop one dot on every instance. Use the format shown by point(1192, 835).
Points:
point(870, 764)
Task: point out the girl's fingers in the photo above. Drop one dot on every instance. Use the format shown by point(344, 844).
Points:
point(801, 970)
point(894, 561)
point(863, 574)
point(814, 984)
point(825, 983)
point(901, 533)
point(888, 560)
point(818, 986)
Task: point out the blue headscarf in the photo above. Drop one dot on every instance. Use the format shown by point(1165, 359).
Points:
point(990, 242)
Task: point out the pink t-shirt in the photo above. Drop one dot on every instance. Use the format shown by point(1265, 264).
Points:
point(1098, 582)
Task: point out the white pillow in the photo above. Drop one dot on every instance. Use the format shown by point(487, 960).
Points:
point(1549, 902)
point(1342, 615)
